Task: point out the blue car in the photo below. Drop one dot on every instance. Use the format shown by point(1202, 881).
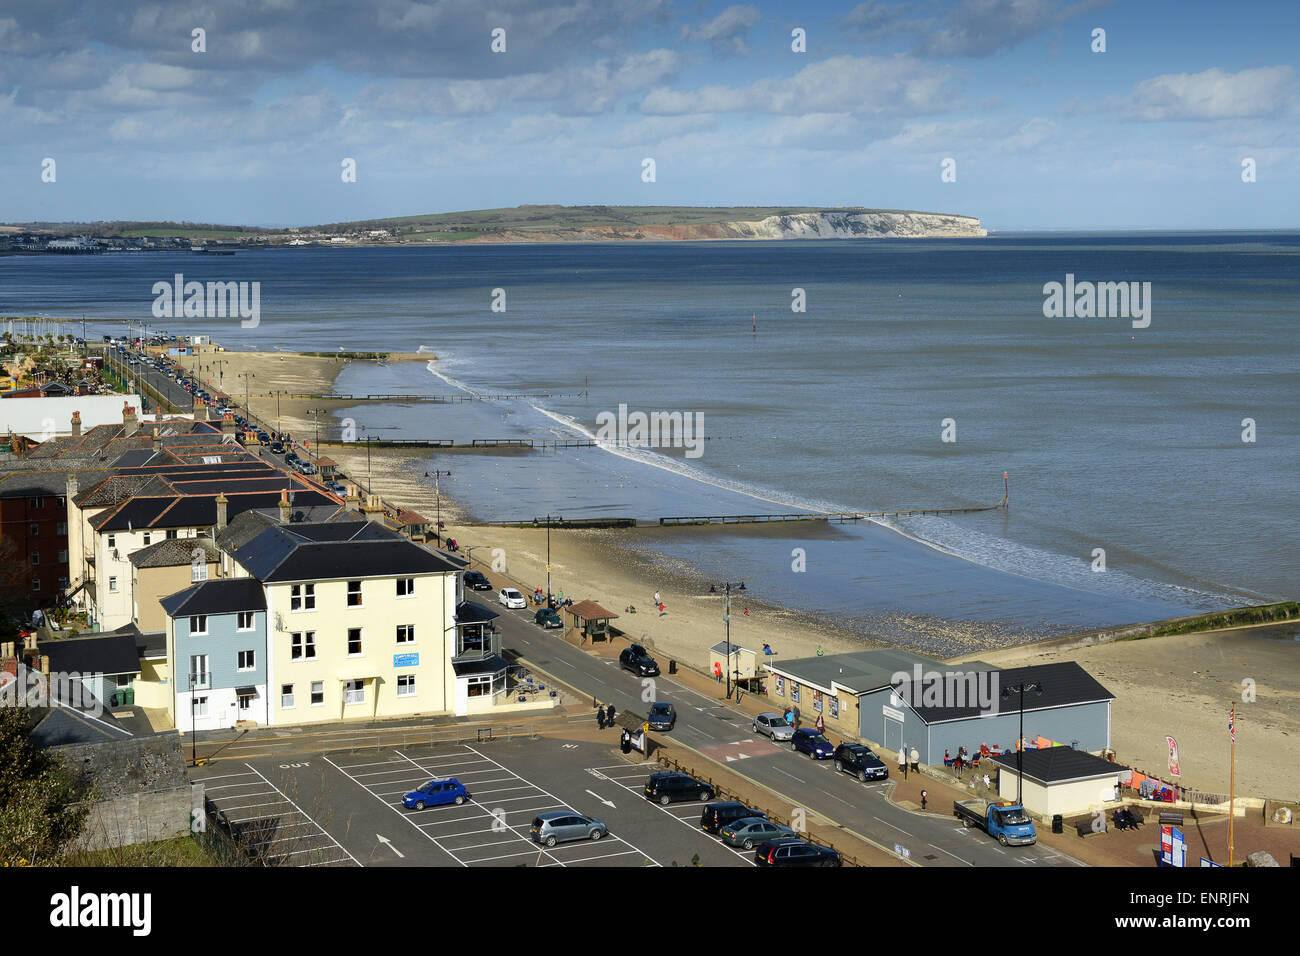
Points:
point(812, 743)
point(436, 793)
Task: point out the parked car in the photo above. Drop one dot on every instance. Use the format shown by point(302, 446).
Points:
point(808, 741)
point(794, 852)
point(774, 726)
point(861, 762)
point(511, 598)
point(717, 815)
point(477, 581)
point(277, 448)
point(670, 786)
point(436, 793)
point(638, 660)
point(337, 487)
point(748, 832)
point(663, 716)
point(560, 826)
point(546, 617)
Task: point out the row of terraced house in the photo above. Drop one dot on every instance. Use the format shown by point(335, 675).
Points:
point(222, 591)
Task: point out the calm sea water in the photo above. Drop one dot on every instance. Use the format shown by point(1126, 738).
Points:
point(1119, 439)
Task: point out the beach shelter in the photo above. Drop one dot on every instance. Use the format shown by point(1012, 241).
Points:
point(591, 619)
point(742, 665)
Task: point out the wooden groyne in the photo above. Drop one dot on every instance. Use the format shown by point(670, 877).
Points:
point(439, 399)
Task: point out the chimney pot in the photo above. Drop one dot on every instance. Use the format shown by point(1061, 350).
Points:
point(76, 424)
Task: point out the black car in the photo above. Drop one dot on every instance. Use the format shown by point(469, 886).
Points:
point(638, 660)
point(715, 816)
point(477, 581)
point(861, 762)
point(794, 852)
point(277, 447)
point(546, 617)
point(670, 786)
point(663, 716)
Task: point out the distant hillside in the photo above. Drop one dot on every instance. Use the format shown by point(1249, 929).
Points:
point(552, 223)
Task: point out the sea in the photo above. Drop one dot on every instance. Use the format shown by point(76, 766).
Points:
point(1150, 463)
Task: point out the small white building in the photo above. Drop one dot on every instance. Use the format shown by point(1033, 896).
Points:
point(46, 417)
point(1060, 780)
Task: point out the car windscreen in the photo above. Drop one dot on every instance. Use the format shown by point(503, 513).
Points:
point(1012, 817)
point(777, 722)
point(818, 739)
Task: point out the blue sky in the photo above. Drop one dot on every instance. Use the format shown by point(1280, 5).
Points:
point(1045, 133)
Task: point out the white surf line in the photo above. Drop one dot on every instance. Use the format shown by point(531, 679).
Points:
point(393, 808)
point(306, 815)
point(554, 797)
point(472, 805)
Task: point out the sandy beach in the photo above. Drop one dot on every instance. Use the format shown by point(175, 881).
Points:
point(1175, 685)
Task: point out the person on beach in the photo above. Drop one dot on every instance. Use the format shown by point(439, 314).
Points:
point(661, 609)
point(657, 599)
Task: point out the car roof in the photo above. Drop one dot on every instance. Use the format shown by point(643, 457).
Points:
point(556, 814)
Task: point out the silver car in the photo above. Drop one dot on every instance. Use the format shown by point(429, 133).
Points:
point(560, 826)
point(774, 726)
point(748, 832)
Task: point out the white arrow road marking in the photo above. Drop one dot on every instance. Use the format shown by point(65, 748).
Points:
point(608, 803)
point(388, 843)
point(568, 746)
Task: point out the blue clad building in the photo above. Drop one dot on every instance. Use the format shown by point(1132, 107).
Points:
point(217, 643)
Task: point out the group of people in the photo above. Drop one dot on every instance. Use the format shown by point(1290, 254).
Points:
point(605, 717)
point(958, 762)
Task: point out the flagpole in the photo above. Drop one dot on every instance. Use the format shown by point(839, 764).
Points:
point(1232, 780)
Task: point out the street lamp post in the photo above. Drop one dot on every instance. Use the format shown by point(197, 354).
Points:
point(316, 415)
point(437, 504)
point(1020, 744)
point(246, 376)
point(548, 554)
point(194, 740)
point(727, 586)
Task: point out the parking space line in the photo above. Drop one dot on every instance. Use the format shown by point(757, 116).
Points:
point(306, 815)
point(686, 820)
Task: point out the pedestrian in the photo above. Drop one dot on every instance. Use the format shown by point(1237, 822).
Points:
point(795, 710)
point(902, 758)
point(915, 757)
point(988, 785)
point(559, 597)
point(789, 717)
point(600, 718)
point(661, 608)
point(821, 724)
point(767, 649)
point(923, 796)
point(609, 715)
point(657, 599)
point(717, 671)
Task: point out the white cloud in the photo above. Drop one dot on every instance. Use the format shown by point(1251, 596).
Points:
point(725, 32)
point(1213, 94)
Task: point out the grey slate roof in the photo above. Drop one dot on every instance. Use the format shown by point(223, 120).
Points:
point(173, 552)
point(1060, 765)
point(96, 654)
point(1063, 684)
point(860, 671)
point(221, 596)
point(471, 612)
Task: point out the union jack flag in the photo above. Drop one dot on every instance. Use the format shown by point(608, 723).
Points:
point(1232, 723)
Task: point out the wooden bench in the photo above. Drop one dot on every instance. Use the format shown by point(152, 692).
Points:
point(1171, 817)
point(1086, 829)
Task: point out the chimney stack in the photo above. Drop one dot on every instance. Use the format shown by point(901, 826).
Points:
point(374, 509)
point(76, 424)
point(130, 425)
point(200, 410)
point(221, 511)
point(73, 486)
point(284, 506)
point(228, 423)
point(351, 499)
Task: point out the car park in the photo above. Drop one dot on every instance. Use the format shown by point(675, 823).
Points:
point(808, 741)
point(561, 826)
point(436, 793)
point(670, 787)
point(663, 716)
point(477, 581)
point(715, 816)
point(637, 659)
point(546, 617)
point(774, 726)
point(748, 832)
point(511, 598)
point(861, 762)
point(794, 852)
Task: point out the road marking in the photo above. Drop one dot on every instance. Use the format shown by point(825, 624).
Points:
point(888, 824)
point(953, 855)
point(791, 776)
point(307, 815)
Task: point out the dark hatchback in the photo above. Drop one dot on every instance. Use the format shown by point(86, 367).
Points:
point(662, 716)
point(671, 787)
point(811, 743)
point(794, 852)
point(861, 762)
point(638, 660)
point(477, 581)
point(715, 816)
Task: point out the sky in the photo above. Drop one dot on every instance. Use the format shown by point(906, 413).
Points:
point(1037, 129)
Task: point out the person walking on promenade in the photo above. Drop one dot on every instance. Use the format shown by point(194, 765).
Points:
point(717, 671)
point(600, 718)
point(609, 715)
point(902, 758)
point(795, 710)
point(789, 716)
point(821, 725)
point(916, 760)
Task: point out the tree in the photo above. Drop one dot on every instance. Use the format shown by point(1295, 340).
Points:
point(39, 812)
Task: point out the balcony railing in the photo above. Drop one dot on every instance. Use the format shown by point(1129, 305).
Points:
point(478, 647)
